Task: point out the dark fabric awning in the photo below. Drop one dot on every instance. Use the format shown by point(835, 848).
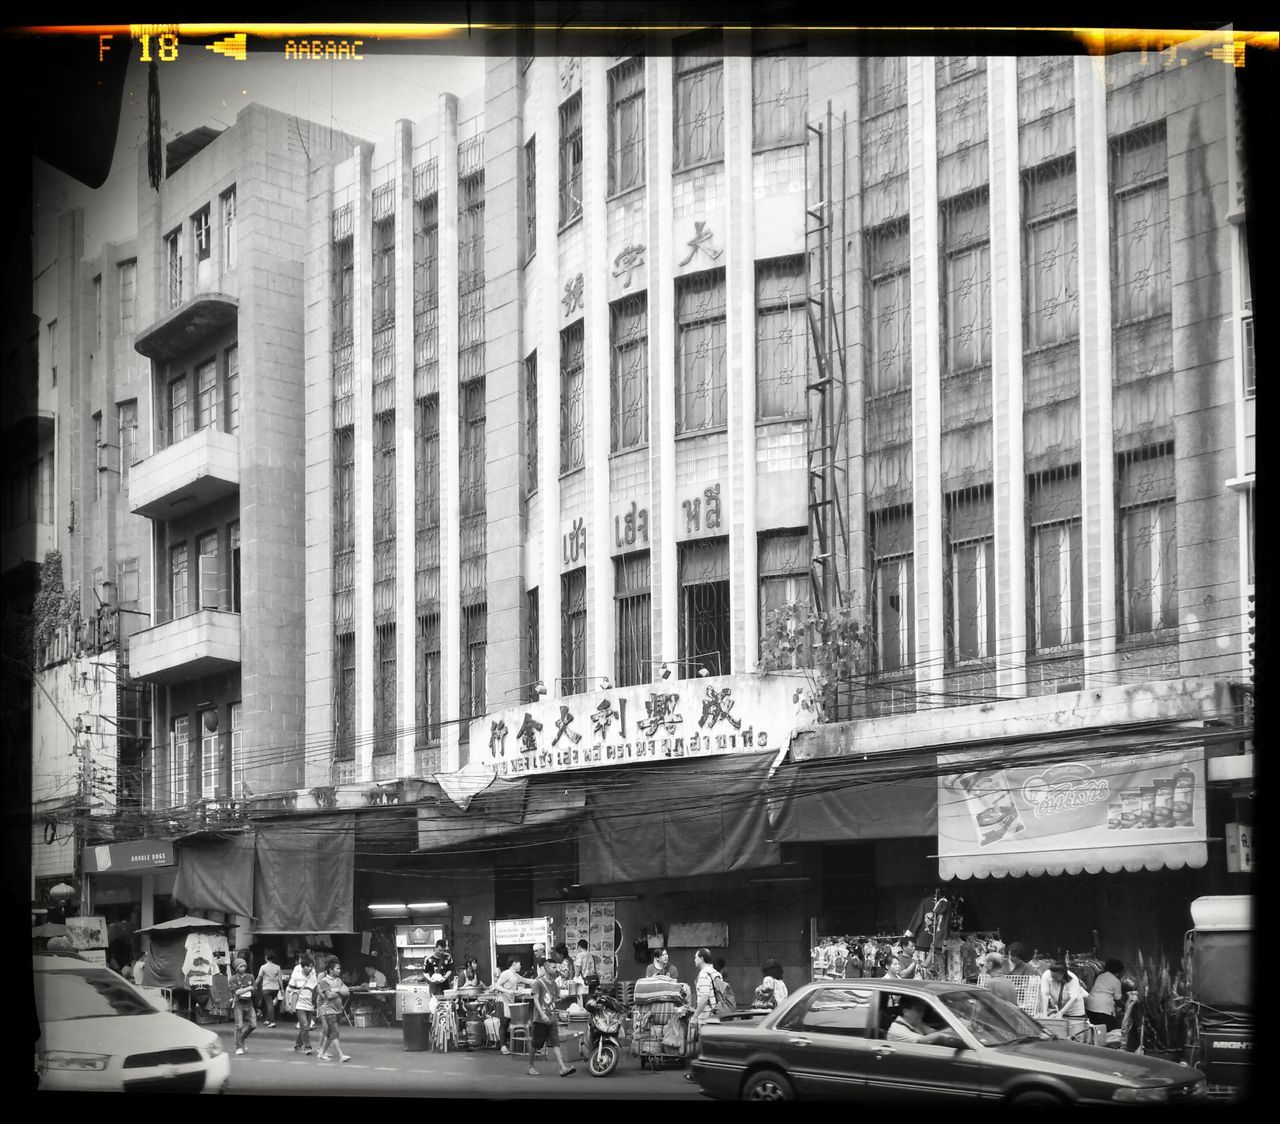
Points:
point(837, 800)
point(216, 875)
point(305, 876)
point(678, 820)
point(507, 807)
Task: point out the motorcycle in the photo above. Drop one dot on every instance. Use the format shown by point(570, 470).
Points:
point(604, 1023)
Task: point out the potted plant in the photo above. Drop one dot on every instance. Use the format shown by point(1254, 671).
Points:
point(1156, 1015)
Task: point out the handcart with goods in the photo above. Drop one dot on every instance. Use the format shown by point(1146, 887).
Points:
point(660, 1022)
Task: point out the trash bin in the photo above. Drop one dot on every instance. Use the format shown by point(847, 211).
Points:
point(417, 1030)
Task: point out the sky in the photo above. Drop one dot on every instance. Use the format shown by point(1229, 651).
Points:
point(363, 97)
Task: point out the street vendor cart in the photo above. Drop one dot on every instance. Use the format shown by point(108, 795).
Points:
point(660, 1022)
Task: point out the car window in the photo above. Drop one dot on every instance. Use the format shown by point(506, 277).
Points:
point(838, 1010)
point(87, 993)
point(992, 1020)
point(891, 1005)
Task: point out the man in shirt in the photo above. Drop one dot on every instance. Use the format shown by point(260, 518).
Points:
point(373, 978)
point(661, 965)
point(439, 967)
point(910, 1026)
point(246, 1017)
point(546, 1023)
point(330, 995)
point(507, 983)
point(269, 980)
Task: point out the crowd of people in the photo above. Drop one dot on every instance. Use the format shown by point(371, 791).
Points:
point(1062, 994)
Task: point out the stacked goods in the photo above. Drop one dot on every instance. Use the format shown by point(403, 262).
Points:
point(660, 1020)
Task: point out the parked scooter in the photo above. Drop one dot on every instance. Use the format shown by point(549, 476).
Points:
point(604, 1023)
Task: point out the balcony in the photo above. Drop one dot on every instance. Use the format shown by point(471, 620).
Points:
point(188, 326)
point(202, 643)
point(196, 471)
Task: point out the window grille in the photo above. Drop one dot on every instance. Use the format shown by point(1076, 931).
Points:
point(884, 84)
point(344, 527)
point(384, 690)
point(573, 631)
point(632, 606)
point(889, 308)
point(571, 160)
point(1056, 604)
point(629, 372)
point(531, 420)
point(471, 233)
point(472, 532)
point(783, 574)
point(1140, 274)
point(474, 668)
point(533, 664)
point(426, 297)
point(1051, 272)
point(233, 389)
point(572, 407)
point(530, 198)
point(966, 281)
point(779, 97)
point(427, 502)
point(427, 712)
point(970, 579)
point(1148, 584)
point(179, 581)
point(705, 620)
point(698, 112)
point(344, 692)
point(173, 263)
point(626, 126)
point(892, 589)
point(782, 339)
point(229, 229)
point(209, 763)
point(425, 179)
point(128, 273)
point(701, 383)
point(179, 760)
point(384, 518)
point(471, 154)
point(343, 350)
point(207, 395)
point(953, 68)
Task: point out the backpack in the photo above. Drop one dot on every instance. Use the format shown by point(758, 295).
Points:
point(722, 998)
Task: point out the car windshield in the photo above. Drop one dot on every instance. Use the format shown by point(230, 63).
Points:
point(992, 1020)
point(86, 993)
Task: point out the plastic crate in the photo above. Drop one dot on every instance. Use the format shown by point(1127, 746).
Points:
point(1026, 987)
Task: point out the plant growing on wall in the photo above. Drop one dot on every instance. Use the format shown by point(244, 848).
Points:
point(51, 602)
point(828, 647)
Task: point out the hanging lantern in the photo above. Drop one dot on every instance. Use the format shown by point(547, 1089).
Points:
point(62, 893)
point(211, 720)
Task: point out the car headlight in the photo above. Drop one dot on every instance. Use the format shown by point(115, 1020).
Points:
point(68, 1059)
point(1161, 1094)
point(214, 1049)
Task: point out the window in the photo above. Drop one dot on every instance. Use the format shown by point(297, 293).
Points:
point(179, 760)
point(428, 685)
point(1057, 575)
point(99, 454)
point(233, 389)
point(239, 788)
point(208, 754)
point(127, 427)
point(698, 114)
point(782, 339)
point(970, 580)
point(884, 84)
point(889, 308)
point(530, 198)
point(474, 668)
point(572, 407)
point(426, 297)
point(531, 419)
point(473, 448)
point(1051, 277)
point(97, 310)
point(384, 518)
point(233, 548)
point(783, 573)
point(210, 571)
point(471, 233)
point(128, 277)
point(626, 126)
point(629, 373)
point(229, 229)
point(179, 589)
point(173, 266)
point(632, 600)
point(571, 159)
point(202, 239)
point(344, 701)
point(384, 690)
point(573, 631)
point(1246, 320)
point(966, 283)
point(893, 625)
point(1140, 190)
point(846, 1011)
point(1251, 530)
point(705, 624)
point(127, 591)
point(179, 410)
point(1148, 541)
point(701, 387)
point(533, 638)
point(207, 395)
point(42, 506)
point(343, 288)
point(429, 460)
point(384, 273)
point(779, 98)
point(53, 352)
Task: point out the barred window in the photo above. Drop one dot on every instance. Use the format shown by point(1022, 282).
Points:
point(706, 635)
point(573, 631)
point(344, 527)
point(701, 381)
point(427, 693)
point(572, 407)
point(698, 115)
point(626, 126)
point(530, 198)
point(179, 410)
point(889, 308)
point(344, 701)
point(474, 667)
point(1055, 559)
point(472, 531)
point(426, 297)
point(884, 84)
point(427, 432)
point(782, 339)
point(629, 372)
point(571, 159)
point(531, 420)
point(783, 574)
point(1140, 193)
point(893, 626)
point(207, 395)
point(384, 273)
point(384, 518)
point(966, 281)
point(779, 97)
point(179, 759)
point(343, 288)
point(471, 233)
point(533, 666)
point(1051, 275)
point(970, 578)
point(209, 763)
point(384, 689)
point(233, 389)
point(1148, 584)
point(632, 600)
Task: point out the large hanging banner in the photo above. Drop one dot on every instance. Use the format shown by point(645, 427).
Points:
point(999, 816)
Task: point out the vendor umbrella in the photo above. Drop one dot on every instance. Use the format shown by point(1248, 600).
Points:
point(187, 924)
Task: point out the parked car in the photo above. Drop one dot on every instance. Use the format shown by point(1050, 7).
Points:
point(828, 1040)
point(98, 1032)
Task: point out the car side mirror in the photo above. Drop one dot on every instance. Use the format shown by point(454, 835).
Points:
point(950, 1040)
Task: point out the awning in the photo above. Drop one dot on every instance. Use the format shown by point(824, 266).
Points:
point(1042, 810)
point(216, 875)
point(507, 807)
point(834, 800)
point(677, 820)
point(305, 876)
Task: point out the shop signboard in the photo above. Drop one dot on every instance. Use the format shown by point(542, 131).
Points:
point(87, 932)
point(1012, 813)
point(667, 719)
point(121, 858)
point(517, 936)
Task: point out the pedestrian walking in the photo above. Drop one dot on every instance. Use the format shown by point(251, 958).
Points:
point(304, 981)
point(270, 977)
point(332, 991)
point(704, 992)
point(246, 1018)
point(546, 1022)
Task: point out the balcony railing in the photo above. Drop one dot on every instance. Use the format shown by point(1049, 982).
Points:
point(187, 475)
point(201, 643)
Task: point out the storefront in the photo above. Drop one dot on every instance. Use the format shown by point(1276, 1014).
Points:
point(130, 885)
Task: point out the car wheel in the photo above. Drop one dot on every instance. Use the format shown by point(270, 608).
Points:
point(1036, 1098)
point(767, 1085)
point(603, 1060)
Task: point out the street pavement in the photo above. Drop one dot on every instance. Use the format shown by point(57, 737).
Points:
point(381, 1067)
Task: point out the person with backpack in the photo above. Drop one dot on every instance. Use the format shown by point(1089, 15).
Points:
point(712, 993)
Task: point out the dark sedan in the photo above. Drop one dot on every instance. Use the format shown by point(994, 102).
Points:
point(832, 1040)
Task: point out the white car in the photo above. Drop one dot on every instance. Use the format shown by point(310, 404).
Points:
point(98, 1032)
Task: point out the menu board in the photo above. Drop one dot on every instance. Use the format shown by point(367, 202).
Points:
point(594, 923)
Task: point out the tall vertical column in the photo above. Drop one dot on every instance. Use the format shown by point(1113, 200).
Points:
point(926, 387)
point(362, 402)
point(1097, 465)
point(1006, 378)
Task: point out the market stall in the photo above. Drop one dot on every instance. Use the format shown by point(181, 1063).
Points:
point(187, 962)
